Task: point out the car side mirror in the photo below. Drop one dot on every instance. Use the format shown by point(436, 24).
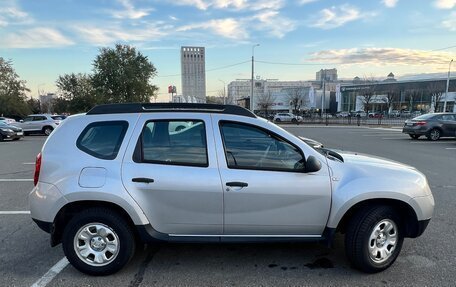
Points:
point(312, 164)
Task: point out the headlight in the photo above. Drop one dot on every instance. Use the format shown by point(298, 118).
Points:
point(7, 130)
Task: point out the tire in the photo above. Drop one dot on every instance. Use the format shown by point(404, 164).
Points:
point(277, 120)
point(361, 240)
point(433, 135)
point(415, 137)
point(47, 130)
point(294, 121)
point(16, 139)
point(102, 226)
point(1, 137)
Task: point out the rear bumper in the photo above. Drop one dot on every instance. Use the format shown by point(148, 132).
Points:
point(416, 130)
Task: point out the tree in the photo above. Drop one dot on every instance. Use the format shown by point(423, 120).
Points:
point(123, 75)
point(34, 105)
point(296, 99)
point(437, 92)
point(265, 102)
point(392, 95)
point(78, 91)
point(368, 92)
point(12, 91)
point(214, 99)
point(60, 105)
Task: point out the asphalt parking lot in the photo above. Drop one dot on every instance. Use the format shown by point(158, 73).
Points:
point(26, 257)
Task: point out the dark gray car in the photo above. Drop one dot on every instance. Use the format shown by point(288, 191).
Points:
point(433, 126)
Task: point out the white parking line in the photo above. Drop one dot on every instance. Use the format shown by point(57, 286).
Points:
point(450, 148)
point(28, 163)
point(11, 212)
point(383, 134)
point(431, 142)
point(56, 269)
point(15, 179)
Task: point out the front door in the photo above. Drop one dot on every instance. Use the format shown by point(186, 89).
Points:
point(266, 191)
point(173, 174)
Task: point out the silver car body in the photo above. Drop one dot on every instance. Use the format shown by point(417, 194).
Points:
point(36, 123)
point(195, 202)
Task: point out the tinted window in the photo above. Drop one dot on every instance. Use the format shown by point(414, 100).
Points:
point(447, 118)
point(249, 147)
point(102, 139)
point(28, 119)
point(174, 142)
point(39, 118)
point(57, 118)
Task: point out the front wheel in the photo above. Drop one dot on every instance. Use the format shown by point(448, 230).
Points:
point(98, 241)
point(374, 239)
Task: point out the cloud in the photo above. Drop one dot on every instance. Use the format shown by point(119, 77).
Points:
point(95, 35)
point(129, 11)
point(334, 17)
point(450, 23)
point(389, 3)
point(382, 57)
point(11, 14)
point(228, 28)
point(231, 4)
point(273, 23)
point(304, 2)
point(445, 4)
point(40, 37)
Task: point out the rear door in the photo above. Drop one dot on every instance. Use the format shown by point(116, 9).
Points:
point(173, 175)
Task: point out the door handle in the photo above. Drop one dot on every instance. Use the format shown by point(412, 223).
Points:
point(237, 183)
point(142, 179)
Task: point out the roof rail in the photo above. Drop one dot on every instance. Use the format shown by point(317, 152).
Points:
point(169, 107)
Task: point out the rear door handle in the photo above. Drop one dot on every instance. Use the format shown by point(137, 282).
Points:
point(237, 183)
point(142, 179)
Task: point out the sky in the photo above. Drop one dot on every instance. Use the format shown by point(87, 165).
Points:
point(48, 38)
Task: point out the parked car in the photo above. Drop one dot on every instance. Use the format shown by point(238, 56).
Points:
point(229, 177)
point(433, 126)
point(10, 132)
point(287, 117)
point(342, 114)
point(40, 123)
point(7, 120)
point(375, 115)
point(395, 113)
point(58, 118)
point(406, 114)
point(359, 114)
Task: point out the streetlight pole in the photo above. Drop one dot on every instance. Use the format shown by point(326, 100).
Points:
point(224, 92)
point(447, 86)
point(252, 107)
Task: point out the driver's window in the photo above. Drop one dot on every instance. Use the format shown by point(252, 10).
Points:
point(250, 147)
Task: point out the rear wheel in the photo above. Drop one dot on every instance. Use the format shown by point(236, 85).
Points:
point(277, 120)
point(433, 135)
point(98, 241)
point(294, 121)
point(374, 239)
point(415, 137)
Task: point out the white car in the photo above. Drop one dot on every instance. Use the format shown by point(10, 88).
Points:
point(287, 117)
point(40, 123)
point(119, 175)
point(7, 120)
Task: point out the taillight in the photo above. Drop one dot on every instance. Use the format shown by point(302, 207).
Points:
point(36, 176)
point(420, 123)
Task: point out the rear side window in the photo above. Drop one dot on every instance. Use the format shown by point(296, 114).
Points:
point(174, 142)
point(102, 139)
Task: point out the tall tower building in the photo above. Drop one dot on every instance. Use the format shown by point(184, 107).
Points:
point(193, 70)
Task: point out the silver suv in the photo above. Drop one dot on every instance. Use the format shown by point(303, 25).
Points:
point(226, 176)
point(40, 123)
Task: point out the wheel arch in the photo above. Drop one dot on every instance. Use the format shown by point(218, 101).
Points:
point(70, 209)
point(405, 210)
